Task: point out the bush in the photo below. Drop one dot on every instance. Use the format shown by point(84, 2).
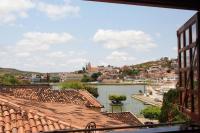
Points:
point(151, 112)
point(92, 90)
point(117, 98)
point(86, 79)
point(71, 85)
point(79, 86)
point(169, 110)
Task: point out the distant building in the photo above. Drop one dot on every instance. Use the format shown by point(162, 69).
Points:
point(35, 78)
point(91, 69)
point(70, 77)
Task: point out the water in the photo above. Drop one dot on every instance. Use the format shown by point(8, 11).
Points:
point(130, 104)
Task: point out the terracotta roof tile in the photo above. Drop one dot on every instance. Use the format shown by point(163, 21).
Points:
point(26, 126)
point(14, 130)
point(25, 98)
point(62, 126)
point(49, 95)
point(20, 121)
point(34, 129)
point(7, 127)
point(1, 129)
point(57, 127)
point(126, 117)
point(46, 128)
point(39, 127)
point(21, 129)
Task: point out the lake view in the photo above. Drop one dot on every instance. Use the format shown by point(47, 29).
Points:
point(130, 104)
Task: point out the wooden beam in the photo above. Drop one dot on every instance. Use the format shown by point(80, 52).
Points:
point(176, 4)
point(198, 59)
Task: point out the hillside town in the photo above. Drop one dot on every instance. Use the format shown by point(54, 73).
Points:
point(155, 72)
point(159, 77)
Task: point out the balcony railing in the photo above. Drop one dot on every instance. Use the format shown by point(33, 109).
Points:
point(183, 127)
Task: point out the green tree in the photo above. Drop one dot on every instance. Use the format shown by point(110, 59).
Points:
point(131, 72)
point(95, 76)
point(169, 109)
point(151, 112)
point(117, 98)
point(83, 69)
point(135, 72)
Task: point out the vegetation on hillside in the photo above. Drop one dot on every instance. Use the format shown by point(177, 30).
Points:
point(8, 79)
point(15, 72)
point(79, 86)
point(91, 78)
point(130, 72)
point(164, 62)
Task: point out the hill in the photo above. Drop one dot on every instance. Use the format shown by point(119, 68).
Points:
point(164, 62)
point(15, 72)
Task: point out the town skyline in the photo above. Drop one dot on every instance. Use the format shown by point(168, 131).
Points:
point(85, 66)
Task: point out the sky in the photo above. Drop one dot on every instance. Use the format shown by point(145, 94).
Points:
point(63, 35)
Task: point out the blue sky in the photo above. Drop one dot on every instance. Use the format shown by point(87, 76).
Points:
point(63, 35)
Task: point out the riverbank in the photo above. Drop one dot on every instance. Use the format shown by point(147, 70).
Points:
point(115, 83)
point(146, 100)
point(98, 83)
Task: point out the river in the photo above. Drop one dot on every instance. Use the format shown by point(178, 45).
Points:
point(130, 104)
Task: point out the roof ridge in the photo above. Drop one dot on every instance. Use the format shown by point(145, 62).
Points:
point(90, 98)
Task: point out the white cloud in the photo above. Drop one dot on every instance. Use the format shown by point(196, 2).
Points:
point(47, 61)
point(113, 39)
point(2, 53)
point(57, 54)
point(10, 10)
point(119, 56)
point(36, 52)
point(23, 54)
point(58, 11)
point(39, 41)
point(78, 60)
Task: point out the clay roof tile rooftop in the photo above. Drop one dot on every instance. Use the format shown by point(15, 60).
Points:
point(20, 121)
point(52, 96)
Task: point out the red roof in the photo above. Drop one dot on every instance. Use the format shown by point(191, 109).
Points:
point(126, 117)
point(15, 119)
